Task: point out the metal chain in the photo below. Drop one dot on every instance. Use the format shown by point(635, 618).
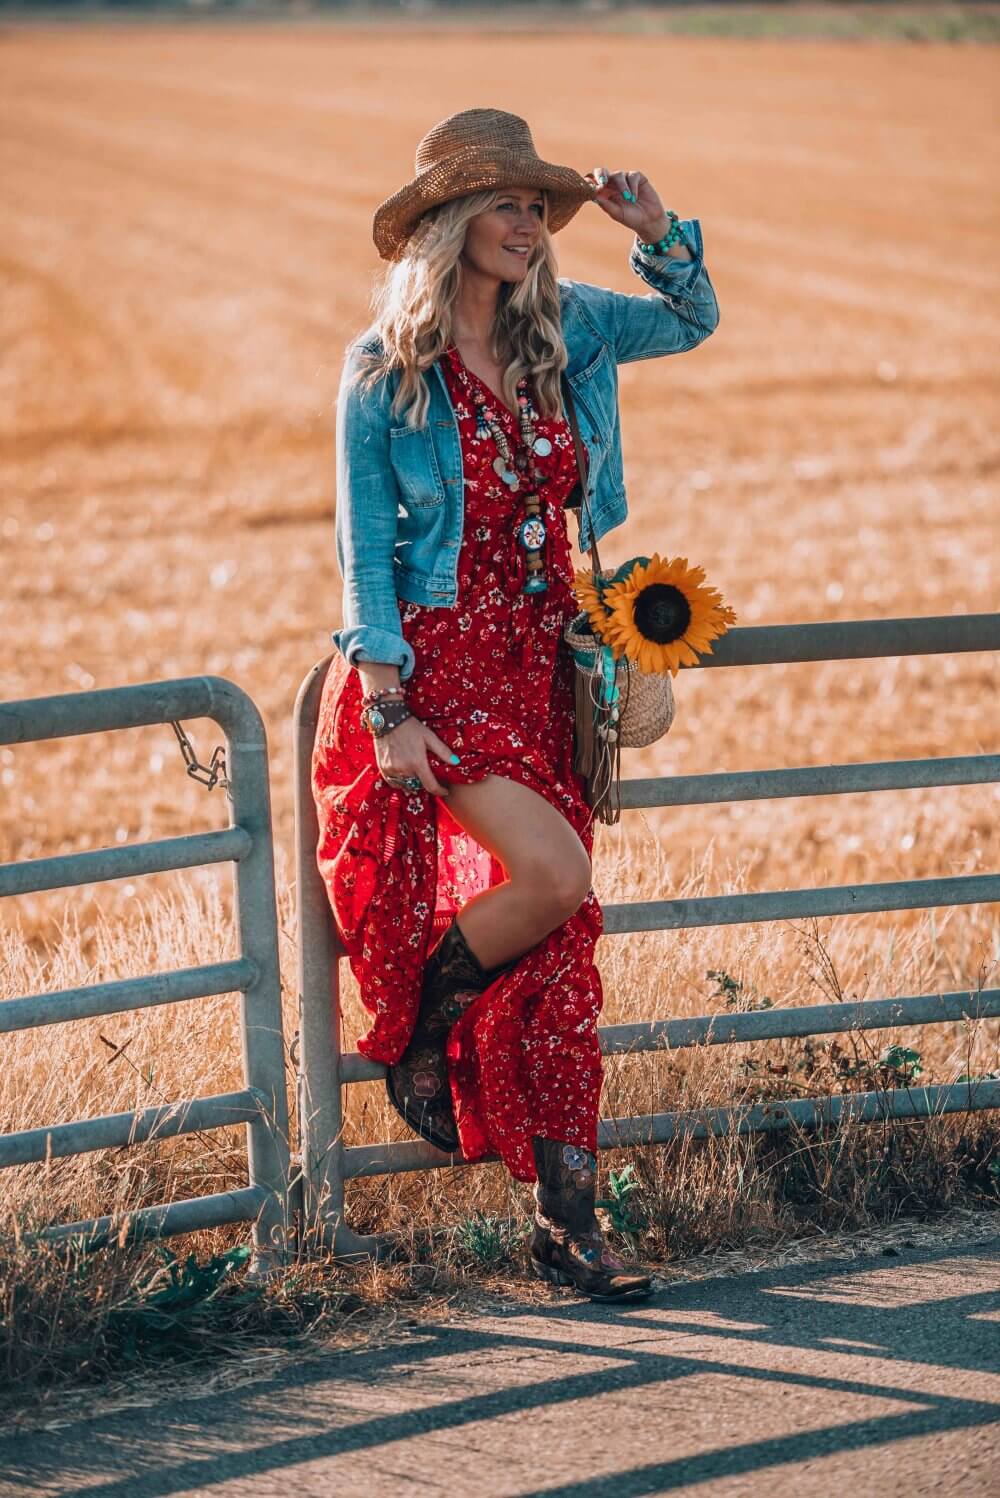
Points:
point(212, 774)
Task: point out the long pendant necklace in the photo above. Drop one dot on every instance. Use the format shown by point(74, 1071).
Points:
point(509, 467)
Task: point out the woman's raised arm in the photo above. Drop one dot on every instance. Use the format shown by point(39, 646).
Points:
point(682, 309)
point(679, 313)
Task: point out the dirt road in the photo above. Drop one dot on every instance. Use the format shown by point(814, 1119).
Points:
point(880, 1376)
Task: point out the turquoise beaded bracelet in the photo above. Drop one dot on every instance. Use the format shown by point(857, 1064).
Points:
point(663, 245)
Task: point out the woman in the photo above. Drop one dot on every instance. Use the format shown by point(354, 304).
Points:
point(443, 763)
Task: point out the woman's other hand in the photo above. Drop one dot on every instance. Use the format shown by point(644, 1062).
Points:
point(404, 751)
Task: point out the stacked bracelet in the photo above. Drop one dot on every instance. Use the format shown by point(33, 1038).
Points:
point(380, 718)
point(662, 246)
point(377, 693)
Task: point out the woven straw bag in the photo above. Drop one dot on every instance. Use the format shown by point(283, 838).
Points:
point(617, 705)
point(646, 698)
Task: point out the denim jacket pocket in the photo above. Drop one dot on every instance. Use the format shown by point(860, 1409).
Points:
point(411, 453)
point(596, 411)
point(596, 372)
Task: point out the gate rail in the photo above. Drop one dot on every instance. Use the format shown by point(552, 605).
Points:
point(327, 1163)
point(247, 843)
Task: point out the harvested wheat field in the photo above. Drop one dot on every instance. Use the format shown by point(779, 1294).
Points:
point(186, 249)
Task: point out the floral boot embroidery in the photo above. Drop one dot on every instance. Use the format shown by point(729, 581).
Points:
point(418, 1085)
point(567, 1245)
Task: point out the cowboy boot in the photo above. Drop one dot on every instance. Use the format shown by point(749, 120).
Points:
point(417, 1084)
point(567, 1245)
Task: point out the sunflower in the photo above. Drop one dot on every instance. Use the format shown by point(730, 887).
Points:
point(590, 592)
point(657, 612)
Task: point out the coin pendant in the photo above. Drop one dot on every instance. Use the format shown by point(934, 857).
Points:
point(542, 446)
point(499, 466)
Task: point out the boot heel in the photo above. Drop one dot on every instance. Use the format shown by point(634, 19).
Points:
point(540, 1271)
point(550, 1272)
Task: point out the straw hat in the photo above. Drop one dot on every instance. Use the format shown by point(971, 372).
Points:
point(469, 151)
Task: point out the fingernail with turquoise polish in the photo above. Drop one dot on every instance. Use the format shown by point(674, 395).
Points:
point(455, 759)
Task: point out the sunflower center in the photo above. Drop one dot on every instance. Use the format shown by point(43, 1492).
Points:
point(662, 613)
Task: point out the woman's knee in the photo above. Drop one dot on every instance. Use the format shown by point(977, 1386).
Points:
point(540, 851)
point(557, 883)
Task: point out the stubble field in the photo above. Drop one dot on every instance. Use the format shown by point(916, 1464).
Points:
point(185, 251)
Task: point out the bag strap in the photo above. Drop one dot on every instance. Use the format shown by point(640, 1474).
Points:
point(581, 463)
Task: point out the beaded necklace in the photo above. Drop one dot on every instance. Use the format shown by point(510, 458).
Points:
point(510, 467)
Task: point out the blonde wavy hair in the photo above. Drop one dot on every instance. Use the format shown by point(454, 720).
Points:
point(413, 306)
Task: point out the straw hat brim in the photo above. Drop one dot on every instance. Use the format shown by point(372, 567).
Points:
point(471, 169)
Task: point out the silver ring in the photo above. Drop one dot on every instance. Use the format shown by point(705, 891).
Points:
point(406, 782)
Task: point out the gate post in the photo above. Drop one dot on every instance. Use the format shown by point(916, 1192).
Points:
point(320, 1089)
point(260, 1003)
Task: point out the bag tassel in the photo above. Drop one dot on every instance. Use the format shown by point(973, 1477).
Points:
point(597, 758)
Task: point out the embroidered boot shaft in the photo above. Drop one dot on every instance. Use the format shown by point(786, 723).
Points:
point(567, 1245)
point(417, 1085)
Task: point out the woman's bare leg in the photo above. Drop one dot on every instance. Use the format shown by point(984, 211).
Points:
point(548, 869)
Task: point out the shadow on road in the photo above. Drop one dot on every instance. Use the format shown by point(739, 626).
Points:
point(719, 1379)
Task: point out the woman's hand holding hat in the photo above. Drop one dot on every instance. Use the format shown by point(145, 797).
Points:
point(631, 199)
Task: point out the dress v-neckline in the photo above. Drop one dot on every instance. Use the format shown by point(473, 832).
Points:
point(472, 375)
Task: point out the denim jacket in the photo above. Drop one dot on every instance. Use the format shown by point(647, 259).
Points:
point(399, 510)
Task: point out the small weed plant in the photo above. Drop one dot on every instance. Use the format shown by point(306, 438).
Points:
point(488, 1241)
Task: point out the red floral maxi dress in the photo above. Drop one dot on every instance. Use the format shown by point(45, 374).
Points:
point(494, 679)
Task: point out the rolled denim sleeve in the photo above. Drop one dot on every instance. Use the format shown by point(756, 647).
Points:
point(366, 514)
point(680, 311)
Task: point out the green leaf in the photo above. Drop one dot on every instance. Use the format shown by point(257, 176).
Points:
point(625, 570)
point(728, 987)
point(624, 1218)
point(904, 1062)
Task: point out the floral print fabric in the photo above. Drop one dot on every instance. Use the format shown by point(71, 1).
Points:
point(494, 679)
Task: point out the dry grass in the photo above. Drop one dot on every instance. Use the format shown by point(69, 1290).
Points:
point(186, 249)
point(459, 1232)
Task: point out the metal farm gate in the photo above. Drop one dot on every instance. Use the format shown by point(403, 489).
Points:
point(324, 1070)
point(327, 1164)
point(261, 1103)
